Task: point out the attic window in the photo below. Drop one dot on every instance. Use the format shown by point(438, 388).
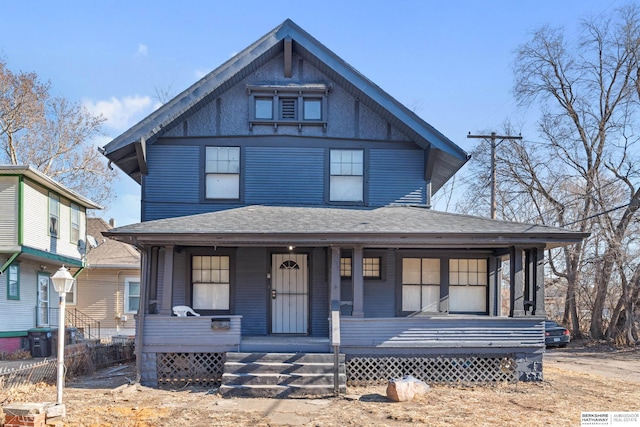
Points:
point(288, 105)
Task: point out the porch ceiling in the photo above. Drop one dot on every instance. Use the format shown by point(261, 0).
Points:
point(398, 226)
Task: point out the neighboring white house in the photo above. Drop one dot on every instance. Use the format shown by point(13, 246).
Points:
point(42, 227)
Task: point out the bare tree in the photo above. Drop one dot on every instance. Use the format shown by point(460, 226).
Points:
point(51, 134)
point(583, 171)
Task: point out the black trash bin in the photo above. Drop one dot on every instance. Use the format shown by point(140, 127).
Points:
point(70, 337)
point(40, 342)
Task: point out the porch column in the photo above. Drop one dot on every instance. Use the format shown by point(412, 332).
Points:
point(495, 286)
point(516, 283)
point(167, 283)
point(334, 279)
point(539, 309)
point(357, 277)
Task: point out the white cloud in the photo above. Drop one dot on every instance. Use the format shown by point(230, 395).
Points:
point(143, 49)
point(122, 113)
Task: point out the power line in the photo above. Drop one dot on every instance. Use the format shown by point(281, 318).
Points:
point(493, 137)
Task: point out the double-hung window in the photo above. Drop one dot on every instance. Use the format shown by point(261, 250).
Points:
point(131, 295)
point(468, 285)
point(54, 215)
point(222, 173)
point(211, 282)
point(420, 285)
point(13, 282)
point(346, 182)
point(75, 223)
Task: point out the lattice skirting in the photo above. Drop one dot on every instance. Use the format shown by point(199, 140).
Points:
point(458, 369)
point(195, 369)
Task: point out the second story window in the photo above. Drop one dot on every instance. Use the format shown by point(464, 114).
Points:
point(222, 170)
point(54, 215)
point(75, 223)
point(346, 180)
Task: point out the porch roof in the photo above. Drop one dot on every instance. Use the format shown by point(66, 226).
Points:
point(392, 226)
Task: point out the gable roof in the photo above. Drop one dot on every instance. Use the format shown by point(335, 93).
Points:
point(127, 151)
point(49, 183)
point(391, 226)
point(109, 253)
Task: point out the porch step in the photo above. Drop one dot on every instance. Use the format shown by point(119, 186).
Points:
point(281, 374)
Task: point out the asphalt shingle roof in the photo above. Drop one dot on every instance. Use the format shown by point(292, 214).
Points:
point(394, 221)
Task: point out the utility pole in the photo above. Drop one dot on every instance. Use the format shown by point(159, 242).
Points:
point(493, 137)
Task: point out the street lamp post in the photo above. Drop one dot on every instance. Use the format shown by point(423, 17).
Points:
point(62, 282)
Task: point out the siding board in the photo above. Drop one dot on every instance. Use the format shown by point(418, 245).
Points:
point(396, 176)
point(251, 290)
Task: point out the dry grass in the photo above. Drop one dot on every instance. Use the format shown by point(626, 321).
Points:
point(557, 401)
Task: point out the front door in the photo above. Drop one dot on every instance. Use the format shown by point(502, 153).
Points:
point(43, 299)
point(289, 294)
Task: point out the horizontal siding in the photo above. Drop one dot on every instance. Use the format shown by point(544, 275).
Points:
point(319, 290)
point(442, 332)
point(284, 175)
point(20, 315)
point(396, 176)
point(36, 223)
point(251, 293)
point(189, 334)
point(100, 295)
point(8, 211)
point(174, 174)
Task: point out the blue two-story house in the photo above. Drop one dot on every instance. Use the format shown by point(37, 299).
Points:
point(286, 200)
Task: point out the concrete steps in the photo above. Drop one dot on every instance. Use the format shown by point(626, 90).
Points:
point(281, 374)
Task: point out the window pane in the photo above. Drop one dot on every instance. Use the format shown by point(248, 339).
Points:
point(346, 189)
point(430, 298)
point(14, 284)
point(312, 109)
point(211, 296)
point(411, 271)
point(371, 267)
point(345, 267)
point(431, 271)
point(411, 298)
point(468, 298)
point(222, 160)
point(264, 108)
point(134, 303)
point(223, 186)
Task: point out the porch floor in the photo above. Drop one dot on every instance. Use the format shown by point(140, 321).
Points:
point(284, 344)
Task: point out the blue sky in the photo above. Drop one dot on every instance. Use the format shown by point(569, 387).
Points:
point(449, 61)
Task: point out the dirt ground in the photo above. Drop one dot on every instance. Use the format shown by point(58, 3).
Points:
point(575, 380)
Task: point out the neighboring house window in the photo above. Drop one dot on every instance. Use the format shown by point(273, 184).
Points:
point(13, 282)
point(75, 223)
point(468, 285)
point(211, 282)
point(131, 295)
point(54, 215)
point(70, 297)
point(370, 267)
point(297, 105)
point(222, 173)
point(420, 284)
point(346, 176)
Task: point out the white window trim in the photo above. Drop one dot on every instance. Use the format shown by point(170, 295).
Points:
point(74, 294)
point(127, 282)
